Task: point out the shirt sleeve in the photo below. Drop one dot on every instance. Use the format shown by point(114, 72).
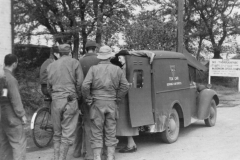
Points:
point(49, 85)
point(123, 85)
point(87, 84)
point(79, 78)
point(15, 98)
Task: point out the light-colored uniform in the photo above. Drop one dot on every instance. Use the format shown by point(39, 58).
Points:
point(65, 77)
point(105, 83)
point(12, 134)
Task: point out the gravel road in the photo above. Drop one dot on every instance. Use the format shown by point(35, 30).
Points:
point(196, 142)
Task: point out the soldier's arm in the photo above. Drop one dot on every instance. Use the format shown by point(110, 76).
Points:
point(15, 98)
point(49, 85)
point(123, 85)
point(79, 78)
point(87, 84)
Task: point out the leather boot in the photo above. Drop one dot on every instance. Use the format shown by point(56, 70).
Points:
point(63, 151)
point(97, 153)
point(110, 153)
point(56, 146)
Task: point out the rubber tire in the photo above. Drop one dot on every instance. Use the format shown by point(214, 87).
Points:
point(211, 120)
point(46, 112)
point(166, 136)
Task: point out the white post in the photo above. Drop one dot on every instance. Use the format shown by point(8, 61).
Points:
point(209, 79)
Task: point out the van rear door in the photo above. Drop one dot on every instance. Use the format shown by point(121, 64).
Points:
point(140, 95)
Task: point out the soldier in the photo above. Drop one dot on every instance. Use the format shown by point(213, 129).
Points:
point(89, 59)
point(65, 78)
point(54, 55)
point(12, 134)
point(104, 84)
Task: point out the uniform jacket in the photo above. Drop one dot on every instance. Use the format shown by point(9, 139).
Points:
point(105, 81)
point(11, 107)
point(43, 70)
point(88, 61)
point(65, 77)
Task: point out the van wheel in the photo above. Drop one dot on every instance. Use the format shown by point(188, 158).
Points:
point(170, 135)
point(211, 120)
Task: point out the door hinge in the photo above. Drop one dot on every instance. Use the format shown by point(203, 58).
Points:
point(151, 70)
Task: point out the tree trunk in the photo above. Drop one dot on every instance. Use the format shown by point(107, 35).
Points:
point(199, 48)
point(217, 54)
point(84, 38)
point(75, 45)
point(99, 30)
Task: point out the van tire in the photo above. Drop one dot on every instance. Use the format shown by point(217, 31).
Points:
point(211, 120)
point(171, 133)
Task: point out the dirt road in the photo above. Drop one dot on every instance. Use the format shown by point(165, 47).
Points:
point(196, 142)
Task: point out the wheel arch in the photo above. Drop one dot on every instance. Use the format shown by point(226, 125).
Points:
point(176, 105)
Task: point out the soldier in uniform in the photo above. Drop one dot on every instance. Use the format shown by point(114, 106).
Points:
point(104, 84)
point(88, 60)
point(12, 135)
point(65, 78)
point(54, 55)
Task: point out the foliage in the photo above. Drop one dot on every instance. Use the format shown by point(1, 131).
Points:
point(66, 20)
point(30, 91)
point(149, 31)
point(209, 20)
point(30, 58)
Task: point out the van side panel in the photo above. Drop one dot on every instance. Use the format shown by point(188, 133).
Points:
point(171, 85)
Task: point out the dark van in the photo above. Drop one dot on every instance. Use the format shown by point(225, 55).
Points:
point(163, 96)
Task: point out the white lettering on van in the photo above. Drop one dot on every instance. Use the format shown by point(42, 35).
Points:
point(173, 78)
point(174, 84)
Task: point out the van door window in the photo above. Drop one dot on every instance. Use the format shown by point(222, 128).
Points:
point(138, 78)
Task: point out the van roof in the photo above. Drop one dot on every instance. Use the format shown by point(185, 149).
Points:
point(192, 61)
point(168, 54)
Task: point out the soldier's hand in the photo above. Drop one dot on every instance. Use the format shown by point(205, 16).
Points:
point(24, 120)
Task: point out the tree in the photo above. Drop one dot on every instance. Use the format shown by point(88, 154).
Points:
point(150, 31)
point(65, 19)
point(210, 20)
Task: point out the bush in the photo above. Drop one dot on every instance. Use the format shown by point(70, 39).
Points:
point(30, 89)
point(30, 59)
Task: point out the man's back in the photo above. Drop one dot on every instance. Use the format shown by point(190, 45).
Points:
point(105, 79)
point(43, 70)
point(88, 61)
point(65, 77)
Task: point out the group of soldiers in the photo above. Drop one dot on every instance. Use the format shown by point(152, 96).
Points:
point(93, 84)
point(98, 85)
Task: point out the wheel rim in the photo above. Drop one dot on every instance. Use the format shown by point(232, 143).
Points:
point(212, 115)
point(43, 130)
point(172, 127)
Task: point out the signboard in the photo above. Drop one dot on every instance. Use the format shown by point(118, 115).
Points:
point(224, 68)
point(5, 29)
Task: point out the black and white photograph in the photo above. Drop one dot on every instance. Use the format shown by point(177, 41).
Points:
point(119, 79)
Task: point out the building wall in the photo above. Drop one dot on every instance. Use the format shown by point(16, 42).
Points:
point(5, 29)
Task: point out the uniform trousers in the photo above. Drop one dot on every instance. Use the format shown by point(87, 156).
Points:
point(12, 142)
point(103, 115)
point(65, 117)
